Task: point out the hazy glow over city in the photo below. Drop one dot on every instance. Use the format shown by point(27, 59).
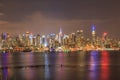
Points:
point(44, 17)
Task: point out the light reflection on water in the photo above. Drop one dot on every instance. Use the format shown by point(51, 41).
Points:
point(47, 71)
point(105, 62)
point(6, 60)
point(99, 65)
point(94, 65)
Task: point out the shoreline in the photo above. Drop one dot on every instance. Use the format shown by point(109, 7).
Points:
point(105, 49)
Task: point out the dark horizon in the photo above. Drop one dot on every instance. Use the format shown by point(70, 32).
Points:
point(42, 16)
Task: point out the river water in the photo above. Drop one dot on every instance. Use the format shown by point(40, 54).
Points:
point(92, 65)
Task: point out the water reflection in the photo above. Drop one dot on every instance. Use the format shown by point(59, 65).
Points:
point(26, 59)
point(47, 71)
point(81, 59)
point(105, 65)
point(27, 72)
point(93, 66)
point(61, 63)
point(81, 65)
point(6, 60)
point(5, 74)
point(99, 65)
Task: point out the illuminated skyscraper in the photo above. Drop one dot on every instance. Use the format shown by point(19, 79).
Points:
point(27, 34)
point(51, 40)
point(104, 36)
point(60, 36)
point(31, 39)
point(79, 33)
point(34, 40)
point(73, 37)
point(38, 40)
point(44, 41)
point(104, 39)
point(27, 40)
point(4, 36)
point(93, 33)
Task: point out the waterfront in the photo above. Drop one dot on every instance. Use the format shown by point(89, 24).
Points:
point(92, 65)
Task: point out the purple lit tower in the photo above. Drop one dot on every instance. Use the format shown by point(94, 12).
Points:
point(93, 33)
point(4, 36)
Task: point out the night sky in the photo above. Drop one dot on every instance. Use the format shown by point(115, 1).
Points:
point(47, 16)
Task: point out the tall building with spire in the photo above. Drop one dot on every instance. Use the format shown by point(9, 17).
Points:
point(93, 33)
point(60, 36)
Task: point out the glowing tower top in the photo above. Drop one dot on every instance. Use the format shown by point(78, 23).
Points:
point(93, 33)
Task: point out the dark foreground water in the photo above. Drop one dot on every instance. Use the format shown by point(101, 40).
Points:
point(93, 65)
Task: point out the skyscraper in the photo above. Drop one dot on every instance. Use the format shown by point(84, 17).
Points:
point(60, 36)
point(93, 33)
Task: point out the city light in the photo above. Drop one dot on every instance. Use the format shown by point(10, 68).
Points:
point(75, 41)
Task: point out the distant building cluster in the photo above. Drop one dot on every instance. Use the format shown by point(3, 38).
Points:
point(60, 41)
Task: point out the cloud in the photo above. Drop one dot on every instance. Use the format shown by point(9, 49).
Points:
point(10, 27)
point(62, 9)
point(48, 16)
point(1, 4)
point(1, 14)
point(3, 22)
point(40, 23)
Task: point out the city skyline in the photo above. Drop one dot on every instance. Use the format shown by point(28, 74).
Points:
point(57, 42)
point(45, 17)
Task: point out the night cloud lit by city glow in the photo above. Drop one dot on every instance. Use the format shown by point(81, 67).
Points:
point(42, 16)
